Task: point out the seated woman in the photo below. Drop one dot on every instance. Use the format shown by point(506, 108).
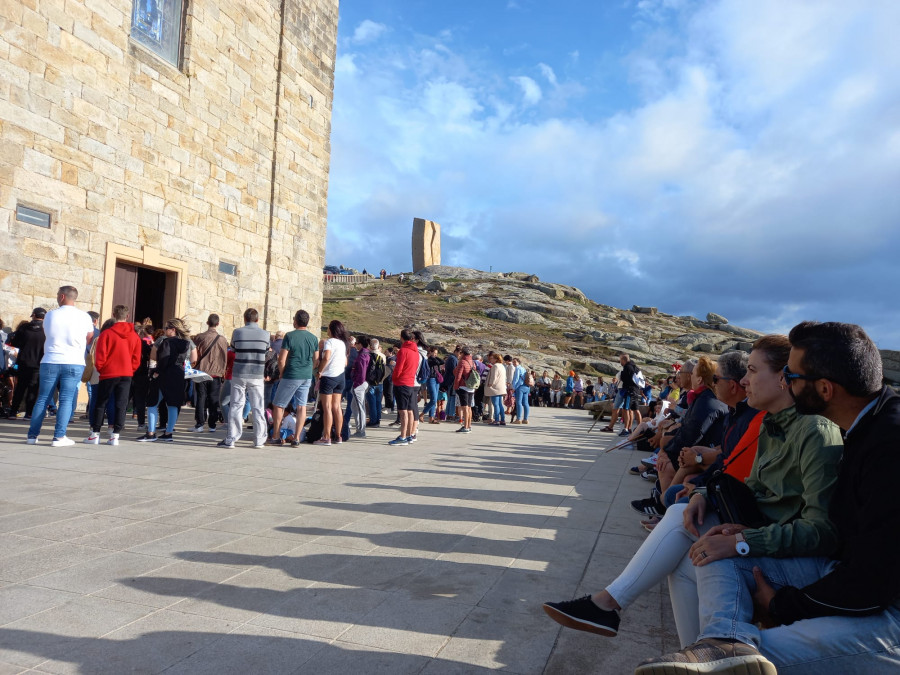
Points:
point(792, 480)
point(701, 425)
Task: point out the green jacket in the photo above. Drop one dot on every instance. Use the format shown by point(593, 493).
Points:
point(793, 477)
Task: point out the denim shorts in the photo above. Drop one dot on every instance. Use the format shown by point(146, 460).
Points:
point(620, 399)
point(288, 390)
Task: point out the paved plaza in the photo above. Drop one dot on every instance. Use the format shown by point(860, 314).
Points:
point(432, 558)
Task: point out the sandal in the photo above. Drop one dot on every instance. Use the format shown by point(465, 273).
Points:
point(608, 429)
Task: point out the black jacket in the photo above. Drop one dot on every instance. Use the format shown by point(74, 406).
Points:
point(702, 424)
point(30, 343)
point(734, 426)
point(866, 512)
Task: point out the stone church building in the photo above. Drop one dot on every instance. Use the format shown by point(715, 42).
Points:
point(171, 155)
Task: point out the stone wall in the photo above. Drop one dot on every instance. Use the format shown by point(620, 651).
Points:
point(123, 148)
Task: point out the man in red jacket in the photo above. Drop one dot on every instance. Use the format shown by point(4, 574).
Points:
point(117, 355)
point(405, 390)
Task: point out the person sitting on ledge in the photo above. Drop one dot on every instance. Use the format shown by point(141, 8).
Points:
point(824, 614)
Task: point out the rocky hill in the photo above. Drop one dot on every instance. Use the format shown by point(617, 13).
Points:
point(550, 326)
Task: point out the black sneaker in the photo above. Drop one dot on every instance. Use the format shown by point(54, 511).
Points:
point(165, 438)
point(224, 443)
point(635, 471)
point(625, 432)
point(147, 438)
point(649, 507)
point(583, 614)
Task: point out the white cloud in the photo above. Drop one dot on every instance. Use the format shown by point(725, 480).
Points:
point(368, 31)
point(548, 73)
point(531, 90)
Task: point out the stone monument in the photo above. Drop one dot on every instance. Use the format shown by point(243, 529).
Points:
point(426, 244)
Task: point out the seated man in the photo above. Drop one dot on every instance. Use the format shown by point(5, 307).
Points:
point(834, 614)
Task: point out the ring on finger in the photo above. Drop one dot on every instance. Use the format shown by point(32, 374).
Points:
point(703, 554)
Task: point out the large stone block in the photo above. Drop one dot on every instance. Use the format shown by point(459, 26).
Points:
point(426, 244)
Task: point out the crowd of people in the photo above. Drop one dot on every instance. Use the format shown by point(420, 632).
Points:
point(772, 515)
point(274, 382)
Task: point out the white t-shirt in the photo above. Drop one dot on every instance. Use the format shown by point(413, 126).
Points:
point(66, 329)
point(289, 423)
point(338, 361)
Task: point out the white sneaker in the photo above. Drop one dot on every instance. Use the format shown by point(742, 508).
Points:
point(93, 439)
point(113, 439)
point(197, 429)
point(31, 441)
point(61, 442)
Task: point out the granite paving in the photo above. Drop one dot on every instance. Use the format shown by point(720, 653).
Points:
point(431, 558)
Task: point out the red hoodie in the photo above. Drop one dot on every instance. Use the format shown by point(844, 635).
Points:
point(407, 365)
point(118, 352)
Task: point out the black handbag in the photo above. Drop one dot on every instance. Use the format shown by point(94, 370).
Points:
point(733, 501)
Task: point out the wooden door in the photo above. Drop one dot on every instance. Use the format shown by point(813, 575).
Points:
point(125, 286)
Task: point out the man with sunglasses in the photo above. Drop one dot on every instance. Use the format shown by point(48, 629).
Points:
point(834, 614)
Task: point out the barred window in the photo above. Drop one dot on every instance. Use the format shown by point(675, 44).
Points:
point(156, 24)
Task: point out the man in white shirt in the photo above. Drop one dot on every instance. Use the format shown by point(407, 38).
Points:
point(68, 331)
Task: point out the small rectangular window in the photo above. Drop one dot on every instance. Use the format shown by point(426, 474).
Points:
point(156, 24)
point(25, 214)
point(228, 268)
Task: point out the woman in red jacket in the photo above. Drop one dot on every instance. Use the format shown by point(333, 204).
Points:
point(405, 390)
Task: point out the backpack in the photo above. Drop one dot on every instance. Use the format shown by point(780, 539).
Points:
point(473, 380)
point(376, 372)
point(424, 370)
point(528, 380)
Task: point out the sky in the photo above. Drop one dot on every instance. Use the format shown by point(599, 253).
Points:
point(724, 156)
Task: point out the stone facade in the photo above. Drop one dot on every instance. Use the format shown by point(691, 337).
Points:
point(222, 159)
point(426, 244)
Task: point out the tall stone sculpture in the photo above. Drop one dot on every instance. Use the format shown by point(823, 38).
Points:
point(426, 244)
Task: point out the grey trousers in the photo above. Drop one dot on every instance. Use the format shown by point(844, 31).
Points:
point(359, 408)
point(252, 390)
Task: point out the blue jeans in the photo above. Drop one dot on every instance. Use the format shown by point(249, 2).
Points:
point(431, 407)
point(497, 403)
point(153, 418)
point(849, 645)
point(451, 403)
point(373, 400)
point(68, 377)
point(522, 406)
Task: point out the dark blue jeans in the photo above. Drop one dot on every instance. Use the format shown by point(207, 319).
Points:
point(373, 400)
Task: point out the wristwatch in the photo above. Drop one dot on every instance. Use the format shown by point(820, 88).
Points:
point(742, 547)
point(699, 458)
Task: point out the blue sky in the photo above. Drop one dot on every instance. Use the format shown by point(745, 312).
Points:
point(728, 156)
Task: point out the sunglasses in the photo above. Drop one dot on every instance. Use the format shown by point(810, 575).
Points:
point(789, 377)
point(719, 378)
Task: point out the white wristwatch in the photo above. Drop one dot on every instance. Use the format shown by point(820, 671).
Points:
point(699, 458)
point(742, 547)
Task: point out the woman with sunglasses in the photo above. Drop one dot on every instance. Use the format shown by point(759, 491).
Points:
point(167, 358)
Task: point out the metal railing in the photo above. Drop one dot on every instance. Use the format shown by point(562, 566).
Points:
point(349, 278)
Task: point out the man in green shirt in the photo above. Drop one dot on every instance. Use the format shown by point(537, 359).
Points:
point(299, 350)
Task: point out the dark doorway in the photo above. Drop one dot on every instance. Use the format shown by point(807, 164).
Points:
point(145, 290)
